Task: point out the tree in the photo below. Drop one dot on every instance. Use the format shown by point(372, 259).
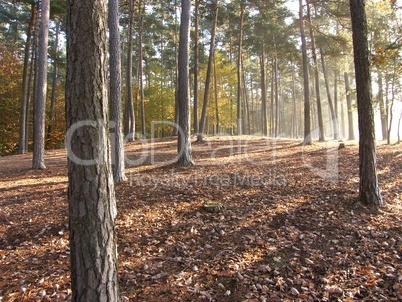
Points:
point(369, 191)
point(129, 122)
point(307, 125)
point(196, 63)
point(208, 76)
point(38, 160)
point(92, 206)
point(115, 92)
point(22, 146)
point(239, 69)
point(183, 94)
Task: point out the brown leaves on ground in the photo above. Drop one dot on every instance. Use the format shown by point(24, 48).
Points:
point(289, 229)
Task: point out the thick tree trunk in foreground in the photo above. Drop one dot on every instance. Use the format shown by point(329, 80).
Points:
point(116, 117)
point(38, 160)
point(184, 143)
point(369, 192)
point(92, 207)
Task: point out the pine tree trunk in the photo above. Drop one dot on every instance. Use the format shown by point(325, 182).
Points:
point(200, 135)
point(196, 62)
point(384, 124)
point(184, 143)
point(349, 107)
point(38, 159)
point(117, 143)
point(369, 191)
point(264, 117)
point(54, 83)
point(307, 123)
point(334, 116)
point(129, 123)
point(22, 146)
point(92, 206)
point(239, 68)
point(141, 69)
point(321, 136)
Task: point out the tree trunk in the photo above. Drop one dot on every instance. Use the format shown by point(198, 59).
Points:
point(334, 116)
point(129, 123)
point(54, 83)
point(184, 142)
point(391, 108)
point(369, 191)
point(196, 62)
point(117, 143)
point(307, 125)
point(321, 136)
point(216, 98)
point(264, 117)
point(336, 101)
point(399, 127)
point(208, 76)
point(349, 107)
point(276, 89)
point(239, 69)
point(22, 146)
point(383, 114)
point(92, 206)
point(140, 65)
point(38, 159)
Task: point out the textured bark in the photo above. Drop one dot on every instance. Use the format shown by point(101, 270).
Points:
point(116, 117)
point(38, 160)
point(183, 93)
point(92, 207)
point(208, 77)
point(22, 146)
point(307, 120)
point(369, 192)
point(351, 135)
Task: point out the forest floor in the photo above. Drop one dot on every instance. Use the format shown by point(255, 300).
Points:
point(290, 226)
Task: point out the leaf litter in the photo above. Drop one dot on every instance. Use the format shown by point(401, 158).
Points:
point(290, 227)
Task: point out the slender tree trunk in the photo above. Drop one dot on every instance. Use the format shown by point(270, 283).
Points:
point(334, 116)
point(349, 107)
point(294, 109)
point(276, 88)
point(239, 69)
point(264, 117)
point(196, 62)
point(54, 83)
point(141, 10)
point(92, 206)
point(216, 98)
point(391, 109)
point(22, 146)
point(129, 124)
point(117, 143)
point(38, 159)
point(383, 114)
point(336, 101)
point(208, 76)
point(307, 125)
point(271, 116)
point(176, 98)
point(184, 142)
point(321, 137)
point(369, 191)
